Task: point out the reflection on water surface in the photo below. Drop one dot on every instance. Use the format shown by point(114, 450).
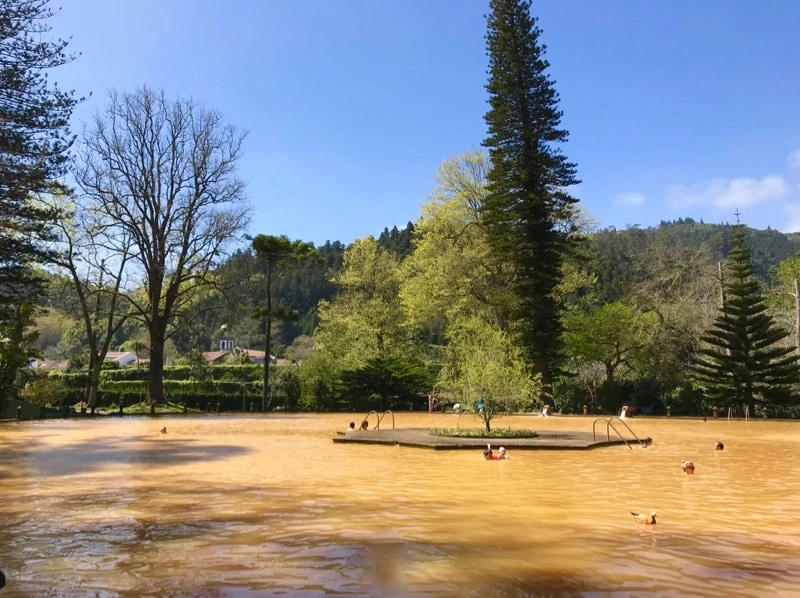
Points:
point(240, 506)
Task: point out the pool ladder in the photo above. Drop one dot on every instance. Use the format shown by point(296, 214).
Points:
point(379, 417)
point(609, 426)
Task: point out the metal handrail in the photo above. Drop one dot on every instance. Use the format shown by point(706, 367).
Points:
point(594, 423)
point(384, 415)
point(379, 417)
point(609, 425)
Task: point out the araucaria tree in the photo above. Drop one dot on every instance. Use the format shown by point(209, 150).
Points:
point(162, 173)
point(34, 140)
point(527, 210)
point(275, 254)
point(743, 361)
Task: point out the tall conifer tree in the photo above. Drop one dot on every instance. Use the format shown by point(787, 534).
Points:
point(743, 361)
point(34, 140)
point(527, 210)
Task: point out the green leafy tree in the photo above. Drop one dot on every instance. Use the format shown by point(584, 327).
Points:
point(199, 369)
point(287, 387)
point(383, 382)
point(34, 142)
point(787, 272)
point(17, 346)
point(483, 362)
point(276, 254)
point(363, 321)
point(450, 275)
point(97, 280)
point(44, 390)
point(614, 335)
point(528, 210)
point(743, 360)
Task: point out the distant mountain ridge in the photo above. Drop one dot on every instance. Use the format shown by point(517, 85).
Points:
point(768, 247)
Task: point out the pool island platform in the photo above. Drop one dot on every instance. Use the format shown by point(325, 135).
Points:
point(422, 438)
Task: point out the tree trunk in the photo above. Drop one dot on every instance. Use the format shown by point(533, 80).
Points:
point(155, 380)
point(797, 315)
point(265, 397)
point(94, 383)
point(542, 367)
point(87, 390)
point(609, 373)
point(488, 424)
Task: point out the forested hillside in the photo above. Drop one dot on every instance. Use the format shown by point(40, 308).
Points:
point(619, 259)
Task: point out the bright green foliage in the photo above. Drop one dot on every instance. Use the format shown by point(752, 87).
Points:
point(286, 387)
point(614, 335)
point(17, 346)
point(45, 390)
point(744, 361)
point(483, 362)
point(787, 272)
point(199, 370)
point(365, 319)
point(527, 210)
point(450, 275)
point(384, 382)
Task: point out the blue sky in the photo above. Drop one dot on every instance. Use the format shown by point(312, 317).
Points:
point(674, 109)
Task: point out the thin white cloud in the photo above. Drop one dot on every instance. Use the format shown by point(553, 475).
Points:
point(728, 193)
point(794, 159)
point(792, 219)
point(631, 199)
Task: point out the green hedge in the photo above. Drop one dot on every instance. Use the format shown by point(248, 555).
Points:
point(234, 387)
point(244, 373)
point(230, 394)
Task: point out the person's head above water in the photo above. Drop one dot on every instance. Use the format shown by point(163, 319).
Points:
point(719, 446)
point(352, 425)
point(487, 454)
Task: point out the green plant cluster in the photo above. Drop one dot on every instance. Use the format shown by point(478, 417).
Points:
point(482, 433)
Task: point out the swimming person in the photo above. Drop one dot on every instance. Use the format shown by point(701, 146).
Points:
point(719, 446)
point(352, 426)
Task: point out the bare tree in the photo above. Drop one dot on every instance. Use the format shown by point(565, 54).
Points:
point(97, 272)
point(162, 173)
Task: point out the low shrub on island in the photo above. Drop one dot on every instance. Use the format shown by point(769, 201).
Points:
point(481, 433)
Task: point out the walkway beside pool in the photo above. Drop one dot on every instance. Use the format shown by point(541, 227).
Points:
point(420, 438)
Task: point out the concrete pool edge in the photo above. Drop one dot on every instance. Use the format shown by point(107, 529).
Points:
point(421, 438)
